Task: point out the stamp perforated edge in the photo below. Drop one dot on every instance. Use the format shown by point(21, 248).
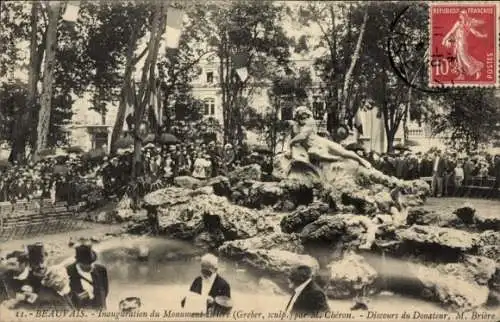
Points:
point(497, 44)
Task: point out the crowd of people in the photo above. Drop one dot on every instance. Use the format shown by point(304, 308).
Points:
point(449, 171)
point(73, 176)
point(41, 180)
point(28, 282)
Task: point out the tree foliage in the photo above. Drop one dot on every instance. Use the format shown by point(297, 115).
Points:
point(14, 18)
point(178, 68)
point(104, 29)
point(471, 117)
point(286, 91)
point(249, 27)
point(13, 98)
point(340, 25)
point(372, 81)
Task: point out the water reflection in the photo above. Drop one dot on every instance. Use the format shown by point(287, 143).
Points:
point(163, 279)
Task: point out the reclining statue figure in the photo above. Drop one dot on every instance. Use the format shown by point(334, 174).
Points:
point(309, 151)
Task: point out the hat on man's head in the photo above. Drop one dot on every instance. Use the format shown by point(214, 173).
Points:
point(85, 254)
point(36, 254)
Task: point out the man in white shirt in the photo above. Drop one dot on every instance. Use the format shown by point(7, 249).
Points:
point(212, 286)
point(307, 297)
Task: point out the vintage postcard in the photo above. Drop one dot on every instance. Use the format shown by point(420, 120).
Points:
point(249, 160)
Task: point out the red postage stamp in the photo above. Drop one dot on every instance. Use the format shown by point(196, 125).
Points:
point(463, 44)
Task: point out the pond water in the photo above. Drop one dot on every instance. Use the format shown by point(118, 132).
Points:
point(163, 280)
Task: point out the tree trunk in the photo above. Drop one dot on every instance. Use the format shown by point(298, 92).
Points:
point(127, 78)
point(332, 102)
point(147, 81)
point(390, 140)
point(102, 105)
point(405, 117)
point(21, 131)
point(354, 60)
point(103, 116)
point(48, 73)
point(224, 79)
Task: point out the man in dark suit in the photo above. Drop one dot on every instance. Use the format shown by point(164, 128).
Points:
point(449, 174)
point(88, 281)
point(32, 286)
point(496, 173)
point(438, 171)
point(37, 263)
point(15, 275)
point(308, 297)
point(213, 286)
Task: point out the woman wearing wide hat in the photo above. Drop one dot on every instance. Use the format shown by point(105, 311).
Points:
point(88, 281)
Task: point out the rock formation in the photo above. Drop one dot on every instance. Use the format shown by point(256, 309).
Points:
point(345, 220)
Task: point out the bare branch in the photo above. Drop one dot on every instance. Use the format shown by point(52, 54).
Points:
point(355, 58)
point(139, 57)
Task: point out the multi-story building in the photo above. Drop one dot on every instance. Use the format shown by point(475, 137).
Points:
point(88, 131)
point(206, 88)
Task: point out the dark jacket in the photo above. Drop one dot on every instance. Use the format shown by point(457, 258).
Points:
point(48, 298)
point(468, 170)
point(312, 299)
point(426, 168)
point(400, 167)
point(9, 286)
point(441, 167)
point(219, 288)
point(100, 284)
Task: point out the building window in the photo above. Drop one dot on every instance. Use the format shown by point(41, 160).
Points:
point(209, 104)
point(318, 107)
point(210, 77)
point(100, 140)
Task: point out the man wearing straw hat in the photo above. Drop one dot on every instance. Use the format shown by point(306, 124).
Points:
point(212, 286)
point(88, 281)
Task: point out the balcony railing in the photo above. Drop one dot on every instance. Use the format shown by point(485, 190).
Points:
point(416, 132)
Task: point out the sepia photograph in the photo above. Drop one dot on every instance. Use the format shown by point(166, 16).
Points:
point(249, 160)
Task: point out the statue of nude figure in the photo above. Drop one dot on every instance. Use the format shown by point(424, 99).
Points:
point(317, 147)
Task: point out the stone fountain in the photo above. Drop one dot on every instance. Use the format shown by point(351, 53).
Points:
point(329, 209)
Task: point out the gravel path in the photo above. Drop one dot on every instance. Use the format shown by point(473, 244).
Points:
point(486, 207)
point(57, 244)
